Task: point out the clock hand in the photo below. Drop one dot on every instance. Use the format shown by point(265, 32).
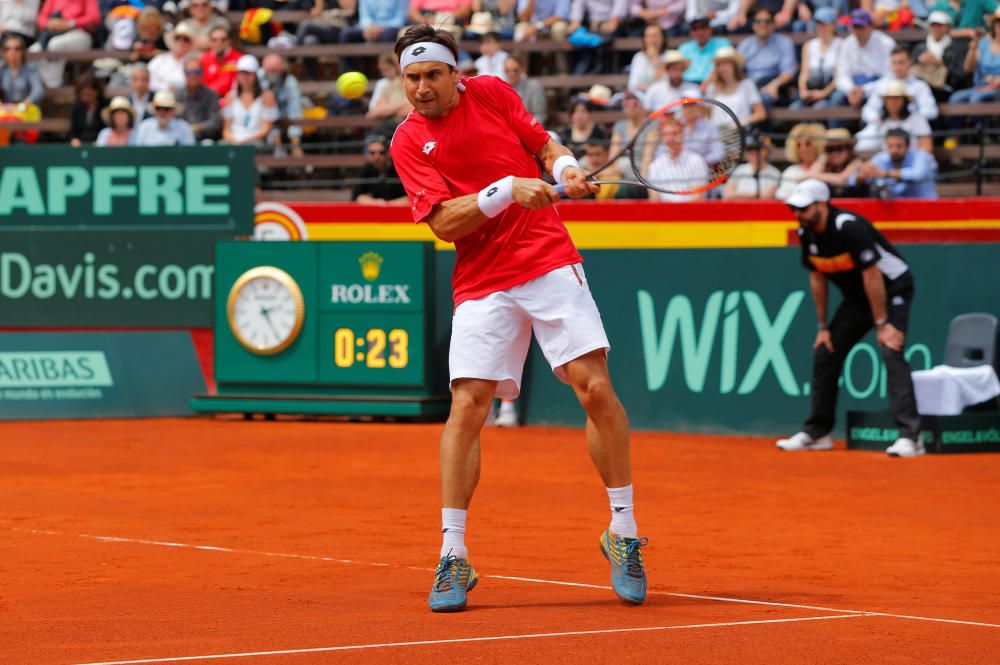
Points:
point(267, 317)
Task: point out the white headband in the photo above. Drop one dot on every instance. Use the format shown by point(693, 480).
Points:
point(427, 52)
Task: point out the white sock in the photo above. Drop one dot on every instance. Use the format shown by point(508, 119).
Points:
point(622, 517)
point(453, 532)
point(506, 406)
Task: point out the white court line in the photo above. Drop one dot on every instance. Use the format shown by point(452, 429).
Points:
point(459, 640)
point(311, 557)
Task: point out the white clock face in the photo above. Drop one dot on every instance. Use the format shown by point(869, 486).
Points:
point(265, 310)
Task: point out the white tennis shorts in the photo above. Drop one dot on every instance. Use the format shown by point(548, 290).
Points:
point(490, 336)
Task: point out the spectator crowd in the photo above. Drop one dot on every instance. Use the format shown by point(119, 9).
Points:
point(179, 75)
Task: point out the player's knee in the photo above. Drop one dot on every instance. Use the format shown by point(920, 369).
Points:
point(597, 394)
point(469, 405)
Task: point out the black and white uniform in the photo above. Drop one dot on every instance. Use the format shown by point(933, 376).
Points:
point(847, 246)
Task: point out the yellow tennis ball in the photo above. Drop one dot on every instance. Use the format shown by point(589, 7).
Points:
point(351, 85)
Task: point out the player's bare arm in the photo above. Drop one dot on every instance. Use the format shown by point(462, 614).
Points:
point(574, 177)
point(460, 216)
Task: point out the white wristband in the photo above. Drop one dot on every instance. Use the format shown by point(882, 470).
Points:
point(561, 164)
point(495, 198)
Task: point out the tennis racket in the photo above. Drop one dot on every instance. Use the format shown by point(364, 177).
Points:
point(684, 148)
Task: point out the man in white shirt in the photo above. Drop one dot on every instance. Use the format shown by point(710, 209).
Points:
point(864, 58)
point(923, 99)
point(677, 168)
point(164, 128)
point(672, 85)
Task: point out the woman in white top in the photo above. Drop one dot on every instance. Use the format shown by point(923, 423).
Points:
point(119, 116)
point(250, 111)
point(803, 148)
point(647, 63)
point(817, 75)
point(896, 114)
point(730, 86)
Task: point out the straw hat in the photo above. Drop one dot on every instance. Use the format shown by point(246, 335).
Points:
point(481, 23)
point(164, 99)
point(673, 56)
point(599, 94)
point(728, 53)
point(839, 136)
point(182, 30)
point(896, 89)
point(118, 104)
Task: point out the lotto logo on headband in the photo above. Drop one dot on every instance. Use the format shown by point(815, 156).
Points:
point(428, 52)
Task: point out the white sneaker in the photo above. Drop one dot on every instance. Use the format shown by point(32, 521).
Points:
point(506, 418)
point(491, 418)
point(906, 448)
point(803, 441)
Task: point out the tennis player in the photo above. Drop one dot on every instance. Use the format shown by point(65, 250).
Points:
point(467, 158)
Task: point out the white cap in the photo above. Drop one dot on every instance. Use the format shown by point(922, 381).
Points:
point(944, 18)
point(247, 63)
point(808, 192)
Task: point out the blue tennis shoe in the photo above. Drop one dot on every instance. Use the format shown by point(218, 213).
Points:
point(628, 574)
point(453, 579)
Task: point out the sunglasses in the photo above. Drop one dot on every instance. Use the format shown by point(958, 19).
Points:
point(182, 38)
point(763, 21)
point(838, 148)
point(192, 72)
point(163, 108)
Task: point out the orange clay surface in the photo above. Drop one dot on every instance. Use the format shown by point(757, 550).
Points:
point(314, 542)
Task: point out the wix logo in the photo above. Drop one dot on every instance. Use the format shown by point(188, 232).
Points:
point(430, 145)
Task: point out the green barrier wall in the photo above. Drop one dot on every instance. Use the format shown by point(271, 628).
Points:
point(117, 236)
point(720, 340)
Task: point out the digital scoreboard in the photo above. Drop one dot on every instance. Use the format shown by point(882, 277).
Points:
point(324, 328)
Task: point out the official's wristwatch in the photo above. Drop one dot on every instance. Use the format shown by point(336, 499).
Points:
point(880, 323)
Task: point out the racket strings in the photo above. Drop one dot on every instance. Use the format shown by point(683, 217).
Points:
point(687, 151)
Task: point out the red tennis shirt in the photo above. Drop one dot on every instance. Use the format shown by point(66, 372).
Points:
point(489, 135)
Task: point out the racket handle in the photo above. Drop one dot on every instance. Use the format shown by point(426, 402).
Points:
point(561, 190)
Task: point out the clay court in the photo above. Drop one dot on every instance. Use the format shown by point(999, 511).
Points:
point(314, 542)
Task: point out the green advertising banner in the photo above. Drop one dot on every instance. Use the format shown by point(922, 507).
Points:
point(100, 237)
point(97, 375)
point(721, 340)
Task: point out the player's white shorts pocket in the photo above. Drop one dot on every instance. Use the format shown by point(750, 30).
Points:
point(491, 335)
